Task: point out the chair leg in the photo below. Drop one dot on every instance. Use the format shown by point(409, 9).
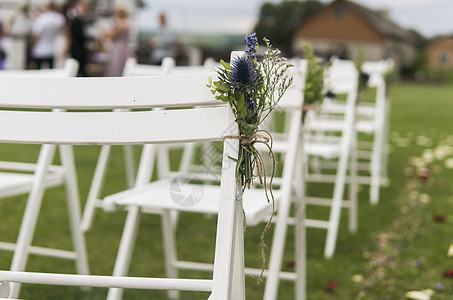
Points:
point(31, 213)
point(300, 250)
point(353, 189)
point(376, 166)
point(168, 232)
point(238, 289)
point(73, 199)
point(93, 194)
point(278, 247)
point(124, 255)
point(129, 160)
point(228, 275)
point(335, 210)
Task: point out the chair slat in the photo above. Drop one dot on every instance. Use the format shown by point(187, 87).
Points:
point(107, 93)
point(113, 127)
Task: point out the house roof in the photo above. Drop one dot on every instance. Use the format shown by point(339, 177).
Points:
point(379, 20)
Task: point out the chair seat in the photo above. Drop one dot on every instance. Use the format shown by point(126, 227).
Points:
point(167, 194)
point(324, 150)
point(12, 184)
point(332, 125)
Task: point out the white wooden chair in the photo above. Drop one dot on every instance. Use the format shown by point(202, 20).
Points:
point(330, 135)
point(69, 69)
point(86, 126)
point(372, 120)
point(255, 206)
point(33, 178)
point(378, 116)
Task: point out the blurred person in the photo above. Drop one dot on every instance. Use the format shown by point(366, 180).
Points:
point(119, 48)
point(78, 19)
point(2, 51)
point(18, 31)
point(163, 43)
point(45, 30)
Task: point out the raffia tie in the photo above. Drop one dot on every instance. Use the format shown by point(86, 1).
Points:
point(248, 144)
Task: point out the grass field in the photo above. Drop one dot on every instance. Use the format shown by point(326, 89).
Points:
point(401, 244)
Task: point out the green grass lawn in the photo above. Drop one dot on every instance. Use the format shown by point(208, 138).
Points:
point(401, 244)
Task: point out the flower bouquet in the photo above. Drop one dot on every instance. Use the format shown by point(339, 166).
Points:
point(252, 89)
point(314, 82)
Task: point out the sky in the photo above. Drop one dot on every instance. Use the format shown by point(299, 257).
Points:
point(430, 17)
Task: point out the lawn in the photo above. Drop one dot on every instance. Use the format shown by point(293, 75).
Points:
point(401, 245)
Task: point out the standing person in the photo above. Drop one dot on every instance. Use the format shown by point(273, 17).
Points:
point(77, 44)
point(19, 30)
point(2, 52)
point(45, 30)
point(119, 37)
point(164, 43)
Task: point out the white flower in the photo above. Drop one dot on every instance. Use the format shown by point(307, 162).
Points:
point(449, 163)
point(425, 198)
point(450, 251)
point(357, 278)
point(420, 295)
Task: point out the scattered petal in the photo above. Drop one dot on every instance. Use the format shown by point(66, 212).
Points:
point(425, 198)
point(440, 218)
point(357, 278)
point(439, 286)
point(449, 163)
point(291, 264)
point(420, 295)
point(450, 251)
point(424, 174)
point(448, 274)
point(332, 286)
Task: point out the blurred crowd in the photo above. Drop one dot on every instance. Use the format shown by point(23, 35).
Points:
point(43, 37)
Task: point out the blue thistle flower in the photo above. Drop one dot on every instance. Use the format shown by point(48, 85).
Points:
point(251, 104)
point(252, 44)
point(243, 72)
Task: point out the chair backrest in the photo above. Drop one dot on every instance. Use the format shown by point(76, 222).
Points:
point(133, 68)
point(70, 68)
point(341, 77)
point(94, 127)
point(376, 70)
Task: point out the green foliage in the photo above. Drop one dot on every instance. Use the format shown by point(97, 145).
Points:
point(363, 78)
point(314, 83)
point(278, 21)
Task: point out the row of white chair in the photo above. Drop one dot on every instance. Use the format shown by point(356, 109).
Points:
point(138, 198)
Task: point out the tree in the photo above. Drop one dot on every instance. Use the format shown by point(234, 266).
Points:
point(278, 21)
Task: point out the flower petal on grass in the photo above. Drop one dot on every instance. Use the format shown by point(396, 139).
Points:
point(450, 251)
point(420, 295)
point(332, 286)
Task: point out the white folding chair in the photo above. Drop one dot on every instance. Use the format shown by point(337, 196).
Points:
point(210, 121)
point(372, 120)
point(256, 208)
point(330, 135)
point(378, 116)
point(69, 69)
point(33, 178)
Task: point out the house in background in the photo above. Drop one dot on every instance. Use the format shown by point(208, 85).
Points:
point(439, 53)
point(344, 28)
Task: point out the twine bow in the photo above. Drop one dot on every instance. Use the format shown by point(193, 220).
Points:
point(252, 157)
